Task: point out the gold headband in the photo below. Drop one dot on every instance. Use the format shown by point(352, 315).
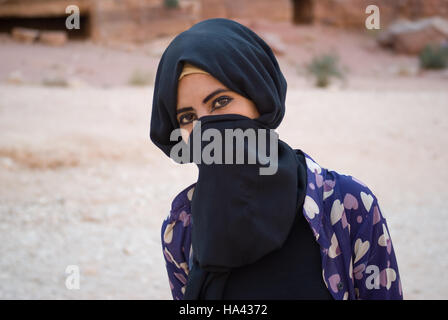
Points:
point(189, 69)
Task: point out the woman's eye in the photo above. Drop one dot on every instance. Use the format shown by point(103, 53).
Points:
point(187, 118)
point(221, 102)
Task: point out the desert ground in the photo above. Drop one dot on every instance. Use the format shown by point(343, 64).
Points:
point(82, 184)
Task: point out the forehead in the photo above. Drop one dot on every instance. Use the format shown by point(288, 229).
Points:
point(196, 83)
point(193, 88)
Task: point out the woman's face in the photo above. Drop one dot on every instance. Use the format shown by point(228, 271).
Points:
point(201, 94)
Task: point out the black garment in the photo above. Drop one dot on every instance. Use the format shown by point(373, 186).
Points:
point(292, 272)
point(239, 216)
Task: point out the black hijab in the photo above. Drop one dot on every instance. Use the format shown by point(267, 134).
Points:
point(238, 215)
point(231, 53)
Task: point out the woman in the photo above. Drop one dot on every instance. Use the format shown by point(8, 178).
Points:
point(298, 232)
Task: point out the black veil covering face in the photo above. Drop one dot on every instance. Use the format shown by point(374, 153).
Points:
point(239, 216)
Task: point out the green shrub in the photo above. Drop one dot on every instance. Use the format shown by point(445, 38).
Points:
point(171, 3)
point(55, 81)
point(434, 57)
point(323, 68)
point(140, 78)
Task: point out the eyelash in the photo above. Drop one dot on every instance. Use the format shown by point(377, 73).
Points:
point(185, 115)
point(219, 99)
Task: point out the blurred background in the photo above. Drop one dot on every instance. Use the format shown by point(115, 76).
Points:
point(82, 185)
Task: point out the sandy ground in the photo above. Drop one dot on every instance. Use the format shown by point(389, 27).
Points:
point(81, 183)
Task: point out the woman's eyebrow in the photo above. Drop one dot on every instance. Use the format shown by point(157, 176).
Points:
point(180, 110)
point(184, 110)
point(214, 93)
